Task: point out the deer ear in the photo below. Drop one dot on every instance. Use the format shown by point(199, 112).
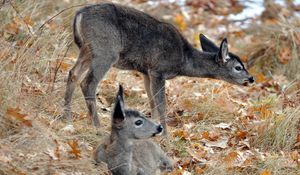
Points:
point(223, 56)
point(207, 45)
point(121, 93)
point(118, 115)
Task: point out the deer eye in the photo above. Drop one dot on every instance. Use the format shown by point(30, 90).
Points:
point(238, 68)
point(138, 122)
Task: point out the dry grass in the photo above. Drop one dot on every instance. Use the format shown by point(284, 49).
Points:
point(280, 133)
point(33, 71)
point(274, 47)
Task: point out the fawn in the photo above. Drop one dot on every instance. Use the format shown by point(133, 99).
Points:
point(113, 35)
point(128, 151)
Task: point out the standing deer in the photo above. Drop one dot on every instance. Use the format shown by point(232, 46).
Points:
point(128, 150)
point(113, 35)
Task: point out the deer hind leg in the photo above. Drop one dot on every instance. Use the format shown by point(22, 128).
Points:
point(75, 73)
point(149, 93)
point(99, 66)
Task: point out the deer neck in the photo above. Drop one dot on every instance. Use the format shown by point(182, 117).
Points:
point(121, 140)
point(199, 64)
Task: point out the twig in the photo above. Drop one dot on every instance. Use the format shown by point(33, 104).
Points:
point(20, 16)
point(51, 86)
point(63, 10)
point(240, 20)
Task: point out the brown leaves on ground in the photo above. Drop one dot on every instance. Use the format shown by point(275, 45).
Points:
point(75, 151)
point(285, 55)
point(265, 172)
point(180, 22)
point(16, 113)
point(215, 127)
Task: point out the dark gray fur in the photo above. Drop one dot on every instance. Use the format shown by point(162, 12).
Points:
point(114, 35)
point(128, 150)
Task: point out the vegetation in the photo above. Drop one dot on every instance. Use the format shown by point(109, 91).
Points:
point(215, 127)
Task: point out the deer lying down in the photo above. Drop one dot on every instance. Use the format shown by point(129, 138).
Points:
point(113, 35)
point(128, 150)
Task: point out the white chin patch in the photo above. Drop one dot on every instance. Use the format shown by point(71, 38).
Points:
point(159, 134)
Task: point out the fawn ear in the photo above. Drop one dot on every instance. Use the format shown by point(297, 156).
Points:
point(207, 45)
point(118, 116)
point(223, 56)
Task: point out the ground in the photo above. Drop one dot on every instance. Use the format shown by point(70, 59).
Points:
point(214, 127)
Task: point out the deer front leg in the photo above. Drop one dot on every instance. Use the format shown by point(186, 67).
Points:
point(157, 86)
point(149, 93)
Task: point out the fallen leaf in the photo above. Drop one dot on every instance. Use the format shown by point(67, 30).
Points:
point(11, 28)
point(180, 22)
point(295, 155)
point(285, 55)
point(231, 157)
point(51, 153)
point(221, 143)
point(241, 135)
point(183, 134)
point(213, 136)
point(16, 113)
point(260, 78)
point(187, 105)
point(265, 172)
point(62, 65)
point(197, 154)
point(74, 146)
point(223, 125)
point(69, 128)
point(186, 173)
point(28, 20)
point(198, 170)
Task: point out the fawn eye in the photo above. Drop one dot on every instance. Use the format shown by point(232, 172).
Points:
point(138, 122)
point(238, 68)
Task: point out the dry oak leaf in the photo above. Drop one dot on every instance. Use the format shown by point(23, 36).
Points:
point(181, 134)
point(199, 170)
point(260, 78)
point(15, 112)
point(231, 158)
point(241, 135)
point(285, 55)
point(180, 22)
point(74, 146)
point(198, 155)
point(12, 28)
point(220, 143)
point(63, 66)
point(213, 136)
point(187, 105)
point(28, 20)
point(295, 156)
point(265, 172)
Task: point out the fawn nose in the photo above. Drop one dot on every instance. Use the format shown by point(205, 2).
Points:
point(159, 128)
point(251, 80)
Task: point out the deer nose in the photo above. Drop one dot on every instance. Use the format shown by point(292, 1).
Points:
point(159, 128)
point(251, 80)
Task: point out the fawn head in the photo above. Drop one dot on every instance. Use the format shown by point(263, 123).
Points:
point(230, 67)
point(131, 123)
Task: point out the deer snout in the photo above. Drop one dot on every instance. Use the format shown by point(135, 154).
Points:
point(159, 128)
point(251, 80)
